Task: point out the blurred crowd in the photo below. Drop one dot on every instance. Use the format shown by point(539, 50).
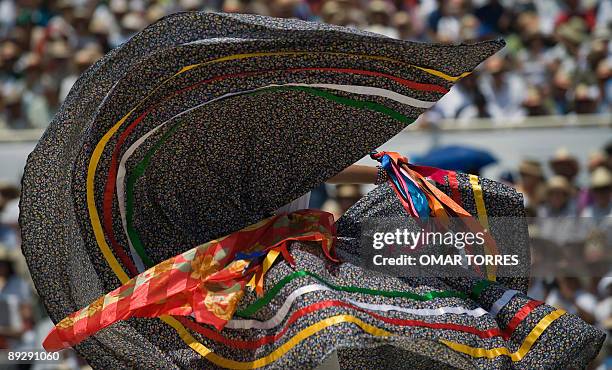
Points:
point(571, 235)
point(557, 60)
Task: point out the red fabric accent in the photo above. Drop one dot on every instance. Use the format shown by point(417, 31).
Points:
point(454, 186)
point(410, 84)
point(254, 344)
point(206, 281)
point(519, 316)
point(109, 189)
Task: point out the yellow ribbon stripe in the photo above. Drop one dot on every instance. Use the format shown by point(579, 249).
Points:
point(483, 218)
point(529, 341)
point(267, 263)
point(95, 158)
point(91, 203)
point(97, 154)
point(186, 336)
point(302, 335)
point(479, 199)
point(287, 53)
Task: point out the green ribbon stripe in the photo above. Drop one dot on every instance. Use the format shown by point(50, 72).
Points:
point(138, 171)
point(141, 167)
point(258, 304)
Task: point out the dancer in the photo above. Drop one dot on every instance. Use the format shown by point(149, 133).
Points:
point(147, 209)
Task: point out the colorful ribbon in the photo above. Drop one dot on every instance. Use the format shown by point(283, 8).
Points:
point(422, 199)
point(206, 281)
point(526, 345)
point(256, 343)
point(529, 341)
point(258, 304)
point(283, 311)
point(108, 254)
point(295, 316)
point(141, 166)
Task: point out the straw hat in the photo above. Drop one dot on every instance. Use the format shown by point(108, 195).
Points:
point(564, 163)
point(8, 255)
point(601, 178)
point(531, 167)
point(58, 49)
point(348, 191)
point(559, 183)
point(133, 21)
point(573, 30)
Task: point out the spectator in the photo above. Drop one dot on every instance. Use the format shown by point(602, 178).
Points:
point(604, 308)
point(14, 113)
point(570, 294)
point(558, 202)
point(8, 233)
point(379, 18)
point(561, 85)
point(557, 215)
point(464, 101)
point(597, 159)
point(15, 301)
point(564, 164)
point(533, 103)
point(495, 19)
point(502, 90)
point(601, 188)
point(586, 99)
point(531, 182)
point(604, 83)
point(558, 53)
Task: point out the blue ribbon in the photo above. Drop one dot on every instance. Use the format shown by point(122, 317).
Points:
point(419, 200)
point(249, 256)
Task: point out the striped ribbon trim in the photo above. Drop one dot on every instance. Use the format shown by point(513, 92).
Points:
point(282, 312)
point(529, 341)
point(295, 340)
point(453, 183)
point(140, 168)
point(297, 53)
point(370, 91)
point(484, 221)
point(123, 277)
point(268, 339)
point(408, 83)
point(271, 293)
point(502, 301)
point(480, 286)
point(120, 197)
point(321, 305)
point(519, 316)
point(479, 200)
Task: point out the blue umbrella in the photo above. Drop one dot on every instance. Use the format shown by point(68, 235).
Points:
point(456, 158)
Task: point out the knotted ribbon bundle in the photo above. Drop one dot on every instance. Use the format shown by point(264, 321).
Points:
point(207, 281)
point(422, 199)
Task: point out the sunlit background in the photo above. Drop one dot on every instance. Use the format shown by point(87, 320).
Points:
point(538, 115)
